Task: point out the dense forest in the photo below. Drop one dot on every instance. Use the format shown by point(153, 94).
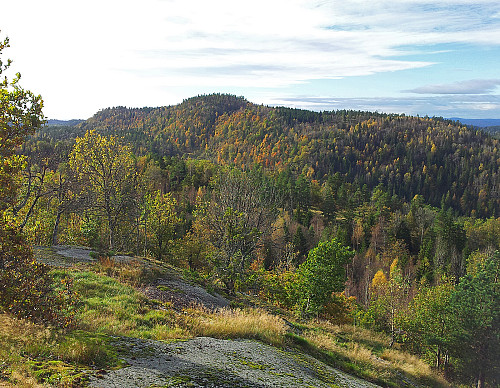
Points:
point(450, 165)
point(383, 220)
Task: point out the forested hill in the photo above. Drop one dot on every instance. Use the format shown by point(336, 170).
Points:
point(449, 164)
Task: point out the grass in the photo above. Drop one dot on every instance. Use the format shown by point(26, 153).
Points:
point(31, 354)
point(111, 305)
point(238, 323)
point(15, 336)
point(132, 273)
point(115, 308)
point(368, 354)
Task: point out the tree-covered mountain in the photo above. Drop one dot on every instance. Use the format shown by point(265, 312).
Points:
point(482, 123)
point(64, 122)
point(449, 164)
point(380, 219)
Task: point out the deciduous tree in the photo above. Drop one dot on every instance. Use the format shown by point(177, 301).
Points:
point(26, 288)
point(321, 274)
point(161, 222)
point(242, 209)
point(429, 322)
point(106, 168)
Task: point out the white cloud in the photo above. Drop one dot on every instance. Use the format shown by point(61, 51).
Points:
point(475, 86)
point(98, 53)
point(472, 106)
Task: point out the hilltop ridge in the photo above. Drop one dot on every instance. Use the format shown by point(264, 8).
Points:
point(449, 164)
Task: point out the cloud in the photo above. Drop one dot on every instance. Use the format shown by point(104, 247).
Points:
point(93, 54)
point(468, 106)
point(475, 86)
point(305, 40)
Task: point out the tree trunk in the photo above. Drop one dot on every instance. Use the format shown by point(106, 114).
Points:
point(30, 212)
point(56, 228)
point(145, 237)
point(111, 226)
point(480, 379)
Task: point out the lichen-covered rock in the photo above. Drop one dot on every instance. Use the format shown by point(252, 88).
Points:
point(209, 362)
point(182, 294)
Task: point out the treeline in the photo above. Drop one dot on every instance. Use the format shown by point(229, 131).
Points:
point(450, 165)
point(357, 217)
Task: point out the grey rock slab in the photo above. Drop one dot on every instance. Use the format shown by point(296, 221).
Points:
point(183, 294)
point(81, 254)
point(209, 362)
point(69, 255)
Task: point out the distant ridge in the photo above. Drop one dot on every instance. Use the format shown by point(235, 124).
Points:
point(432, 157)
point(69, 123)
point(478, 122)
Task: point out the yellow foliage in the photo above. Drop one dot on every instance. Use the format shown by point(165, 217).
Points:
point(394, 268)
point(379, 280)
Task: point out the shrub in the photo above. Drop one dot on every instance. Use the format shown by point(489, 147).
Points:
point(340, 308)
point(28, 290)
point(321, 274)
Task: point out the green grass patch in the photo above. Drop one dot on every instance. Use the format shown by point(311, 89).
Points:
point(58, 373)
point(32, 354)
point(110, 307)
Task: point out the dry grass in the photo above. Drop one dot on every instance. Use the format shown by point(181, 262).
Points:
point(83, 351)
point(354, 333)
point(23, 344)
point(16, 335)
point(410, 364)
point(132, 273)
point(251, 323)
point(359, 347)
point(164, 333)
point(352, 350)
point(366, 336)
point(21, 379)
point(19, 331)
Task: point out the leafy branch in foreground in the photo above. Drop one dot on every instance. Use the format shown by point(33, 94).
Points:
point(26, 288)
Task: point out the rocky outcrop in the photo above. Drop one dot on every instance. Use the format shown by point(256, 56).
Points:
point(210, 362)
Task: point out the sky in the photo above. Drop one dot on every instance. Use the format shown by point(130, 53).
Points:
point(435, 58)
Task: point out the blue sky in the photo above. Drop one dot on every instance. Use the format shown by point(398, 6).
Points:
point(436, 58)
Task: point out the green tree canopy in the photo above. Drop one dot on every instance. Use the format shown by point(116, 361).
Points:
point(108, 172)
point(321, 274)
point(476, 306)
point(428, 322)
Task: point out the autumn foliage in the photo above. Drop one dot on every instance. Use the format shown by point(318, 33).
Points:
point(27, 289)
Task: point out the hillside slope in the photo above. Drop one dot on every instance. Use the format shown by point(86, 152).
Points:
point(207, 356)
point(450, 165)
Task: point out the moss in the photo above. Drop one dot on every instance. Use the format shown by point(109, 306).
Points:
point(164, 288)
point(254, 365)
point(58, 373)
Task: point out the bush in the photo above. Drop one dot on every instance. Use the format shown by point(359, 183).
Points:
point(321, 274)
point(340, 308)
point(280, 288)
point(28, 290)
